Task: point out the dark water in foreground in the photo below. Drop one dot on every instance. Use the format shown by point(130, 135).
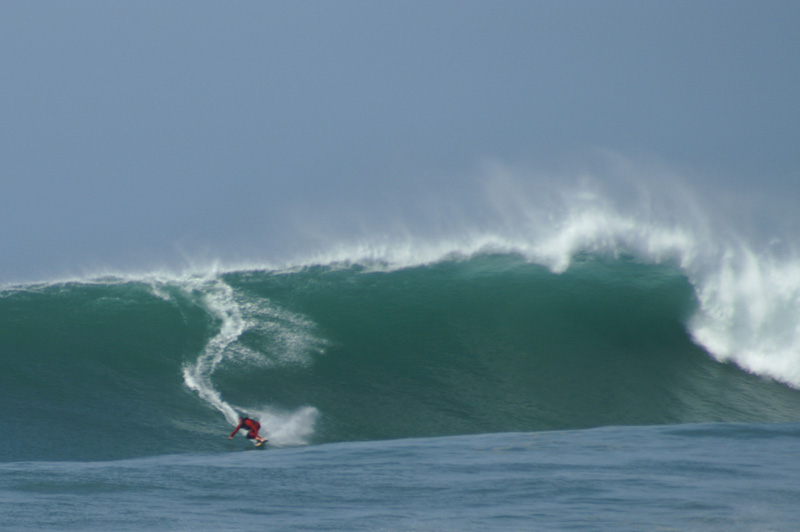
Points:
point(720, 477)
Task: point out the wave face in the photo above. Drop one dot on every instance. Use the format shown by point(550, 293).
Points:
point(490, 342)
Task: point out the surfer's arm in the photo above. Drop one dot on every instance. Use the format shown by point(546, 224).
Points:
point(235, 431)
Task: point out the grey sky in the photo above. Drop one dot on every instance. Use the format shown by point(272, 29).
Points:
point(137, 131)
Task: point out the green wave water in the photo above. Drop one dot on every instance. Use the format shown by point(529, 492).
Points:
point(118, 368)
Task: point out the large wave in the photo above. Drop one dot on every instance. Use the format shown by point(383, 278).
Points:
point(556, 304)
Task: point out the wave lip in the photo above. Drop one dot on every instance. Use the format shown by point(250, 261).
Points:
point(749, 314)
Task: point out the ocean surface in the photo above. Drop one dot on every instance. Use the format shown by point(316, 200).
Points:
point(621, 389)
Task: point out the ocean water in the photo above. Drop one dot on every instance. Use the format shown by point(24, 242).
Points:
point(687, 477)
point(610, 375)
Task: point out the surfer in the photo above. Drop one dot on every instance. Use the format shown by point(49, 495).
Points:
point(251, 426)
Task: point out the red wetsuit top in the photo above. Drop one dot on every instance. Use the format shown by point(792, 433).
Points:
point(249, 425)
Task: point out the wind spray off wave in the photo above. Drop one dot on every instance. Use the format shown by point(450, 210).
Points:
point(748, 292)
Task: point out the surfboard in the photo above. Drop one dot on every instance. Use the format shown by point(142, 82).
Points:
point(260, 443)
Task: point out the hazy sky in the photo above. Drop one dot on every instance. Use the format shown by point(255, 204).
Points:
point(134, 132)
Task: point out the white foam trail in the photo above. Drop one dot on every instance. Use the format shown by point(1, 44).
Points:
point(291, 343)
point(218, 297)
